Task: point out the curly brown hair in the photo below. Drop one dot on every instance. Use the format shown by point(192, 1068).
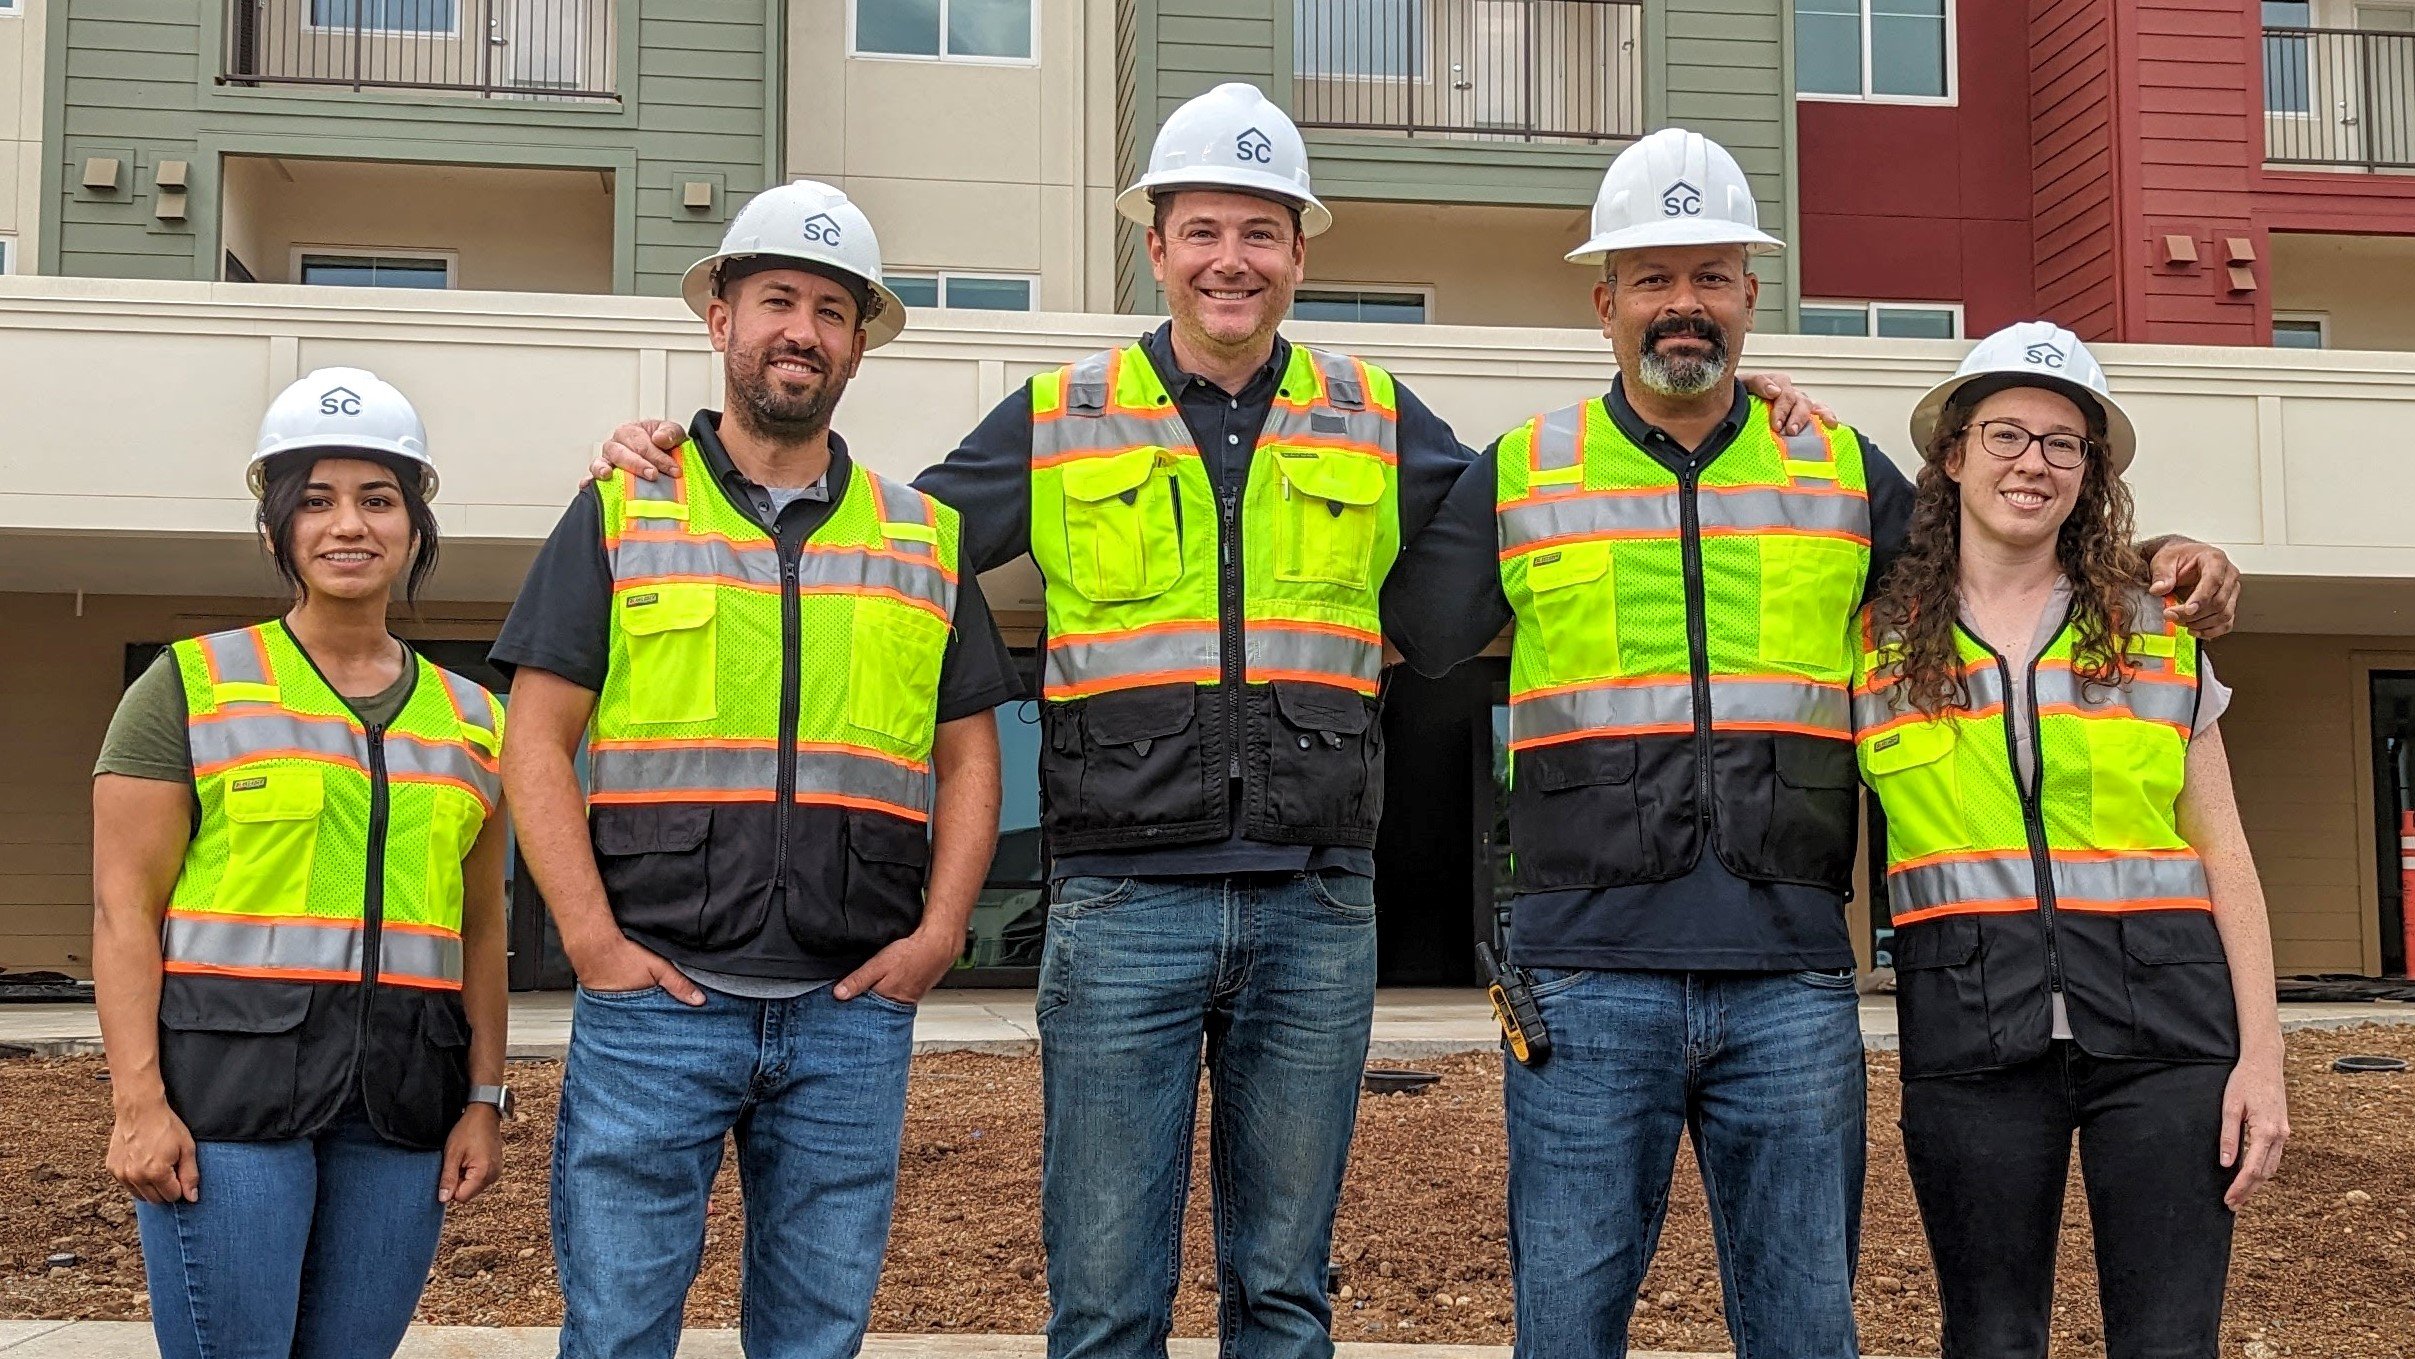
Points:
point(1920, 599)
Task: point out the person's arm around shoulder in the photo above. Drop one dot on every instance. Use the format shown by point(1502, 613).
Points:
point(1442, 602)
point(140, 828)
point(541, 783)
point(473, 1154)
point(2206, 572)
point(2255, 1104)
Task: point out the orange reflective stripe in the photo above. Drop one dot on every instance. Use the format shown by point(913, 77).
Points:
point(1136, 681)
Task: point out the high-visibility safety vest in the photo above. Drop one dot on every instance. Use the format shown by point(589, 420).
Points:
point(780, 702)
point(327, 858)
point(2002, 893)
point(1200, 635)
point(1681, 651)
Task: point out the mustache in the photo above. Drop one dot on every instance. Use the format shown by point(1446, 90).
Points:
point(1685, 327)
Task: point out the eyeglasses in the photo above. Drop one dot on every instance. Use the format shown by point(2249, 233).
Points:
point(2008, 441)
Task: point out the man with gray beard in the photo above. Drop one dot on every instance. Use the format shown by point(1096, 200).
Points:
point(1683, 793)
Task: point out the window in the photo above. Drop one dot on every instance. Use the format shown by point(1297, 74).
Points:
point(1899, 50)
point(1399, 306)
point(2301, 330)
point(374, 271)
point(962, 292)
point(1887, 320)
point(945, 30)
point(386, 16)
point(2286, 74)
point(1356, 37)
point(8, 254)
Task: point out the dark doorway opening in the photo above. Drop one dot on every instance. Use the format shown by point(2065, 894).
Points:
point(2394, 813)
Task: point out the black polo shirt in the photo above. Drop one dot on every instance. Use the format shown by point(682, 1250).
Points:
point(1709, 919)
point(988, 480)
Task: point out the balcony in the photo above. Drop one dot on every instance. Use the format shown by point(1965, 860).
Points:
point(493, 49)
point(2339, 98)
point(1554, 71)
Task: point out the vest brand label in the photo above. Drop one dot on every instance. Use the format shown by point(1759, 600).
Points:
point(641, 601)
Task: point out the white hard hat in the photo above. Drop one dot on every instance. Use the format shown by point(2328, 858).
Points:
point(1673, 188)
point(1233, 137)
point(2034, 354)
point(332, 410)
point(814, 224)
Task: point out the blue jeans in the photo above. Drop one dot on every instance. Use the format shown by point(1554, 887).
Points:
point(1275, 974)
point(313, 1248)
point(1764, 1072)
point(815, 1091)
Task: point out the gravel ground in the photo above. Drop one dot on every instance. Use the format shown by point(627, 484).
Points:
point(2325, 1262)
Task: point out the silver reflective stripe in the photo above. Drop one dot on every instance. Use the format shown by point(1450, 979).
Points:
point(1559, 441)
point(662, 489)
point(1809, 445)
point(649, 557)
point(2010, 877)
point(258, 732)
point(279, 944)
point(715, 773)
point(2175, 704)
point(469, 701)
point(1278, 652)
point(238, 657)
point(431, 957)
point(1087, 384)
point(1660, 512)
point(820, 567)
point(1668, 705)
point(1186, 654)
point(1343, 416)
point(1875, 708)
point(411, 757)
point(905, 505)
point(1340, 372)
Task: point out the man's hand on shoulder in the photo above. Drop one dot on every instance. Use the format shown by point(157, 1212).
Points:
point(646, 448)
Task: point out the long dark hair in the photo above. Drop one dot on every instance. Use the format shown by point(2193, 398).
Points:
point(288, 480)
point(1920, 599)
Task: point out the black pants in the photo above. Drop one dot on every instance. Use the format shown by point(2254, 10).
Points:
point(1989, 1154)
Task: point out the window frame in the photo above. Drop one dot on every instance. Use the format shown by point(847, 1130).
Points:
point(942, 56)
point(1421, 55)
point(1953, 69)
point(370, 254)
point(943, 277)
point(11, 9)
point(8, 253)
point(458, 32)
point(2321, 321)
point(1423, 292)
point(1872, 309)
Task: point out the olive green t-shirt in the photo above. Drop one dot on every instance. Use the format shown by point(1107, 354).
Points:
point(146, 738)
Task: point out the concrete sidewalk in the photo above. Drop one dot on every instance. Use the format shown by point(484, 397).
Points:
point(1410, 1022)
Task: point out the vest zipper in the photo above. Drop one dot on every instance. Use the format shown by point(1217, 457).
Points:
point(1698, 644)
point(373, 897)
point(784, 784)
point(1228, 593)
point(2033, 806)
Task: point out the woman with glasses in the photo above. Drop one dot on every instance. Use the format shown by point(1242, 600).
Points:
point(2080, 940)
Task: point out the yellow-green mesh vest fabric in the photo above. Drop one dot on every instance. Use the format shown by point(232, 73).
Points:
point(2111, 760)
point(1124, 528)
point(690, 710)
point(275, 881)
point(1595, 539)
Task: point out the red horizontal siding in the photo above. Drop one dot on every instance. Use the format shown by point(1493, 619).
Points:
point(2072, 175)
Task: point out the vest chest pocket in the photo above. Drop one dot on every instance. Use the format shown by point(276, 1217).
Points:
point(1808, 590)
point(1575, 607)
point(671, 639)
point(1123, 538)
point(272, 839)
point(1913, 770)
point(2135, 769)
point(893, 672)
point(1330, 500)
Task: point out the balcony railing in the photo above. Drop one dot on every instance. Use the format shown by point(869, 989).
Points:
point(500, 49)
point(2339, 96)
point(1494, 70)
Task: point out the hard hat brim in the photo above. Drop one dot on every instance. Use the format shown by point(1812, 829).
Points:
point(328, 445)
point(1136, 203)
point(2121, 437)
point(1676, 231)
point(697, 287)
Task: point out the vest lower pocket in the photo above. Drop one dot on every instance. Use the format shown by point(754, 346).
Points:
point(671, 636)
point(2179, 983)
point(893, 673)
point(1331, 500)
point(1132, 765)
point(880, 896)
point(1573, 594)
point(1786, 807)
point(1123, 538)
point(1324, 750)
point(1808, 590)
point(1601, 812)
point(272, 817)
point(653, 862)
point(230, 1054)
point(419, 1064)
point(1941, 998)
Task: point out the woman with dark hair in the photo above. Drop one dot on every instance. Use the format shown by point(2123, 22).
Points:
point(2080, 940)
point(298, 919)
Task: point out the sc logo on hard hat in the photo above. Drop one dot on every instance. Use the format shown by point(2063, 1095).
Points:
point(340, 401)
point(821, 230)
point(1253, 145)
point(2044, 354)
point(1681, 200)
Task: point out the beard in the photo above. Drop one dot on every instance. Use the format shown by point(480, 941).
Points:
point(1683, 375)
point(771, 410)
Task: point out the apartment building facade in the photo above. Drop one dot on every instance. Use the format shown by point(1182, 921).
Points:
point(523, 213)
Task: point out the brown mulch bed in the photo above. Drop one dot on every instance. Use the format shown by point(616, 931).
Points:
point(2325, 1262)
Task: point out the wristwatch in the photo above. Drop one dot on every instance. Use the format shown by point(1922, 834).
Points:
point(498, 1095)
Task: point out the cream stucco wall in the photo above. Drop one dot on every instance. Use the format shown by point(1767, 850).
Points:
point(480, 215)
point(21, 56)
point(2365, 285)
point(999, 167)
point(1486, 266)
